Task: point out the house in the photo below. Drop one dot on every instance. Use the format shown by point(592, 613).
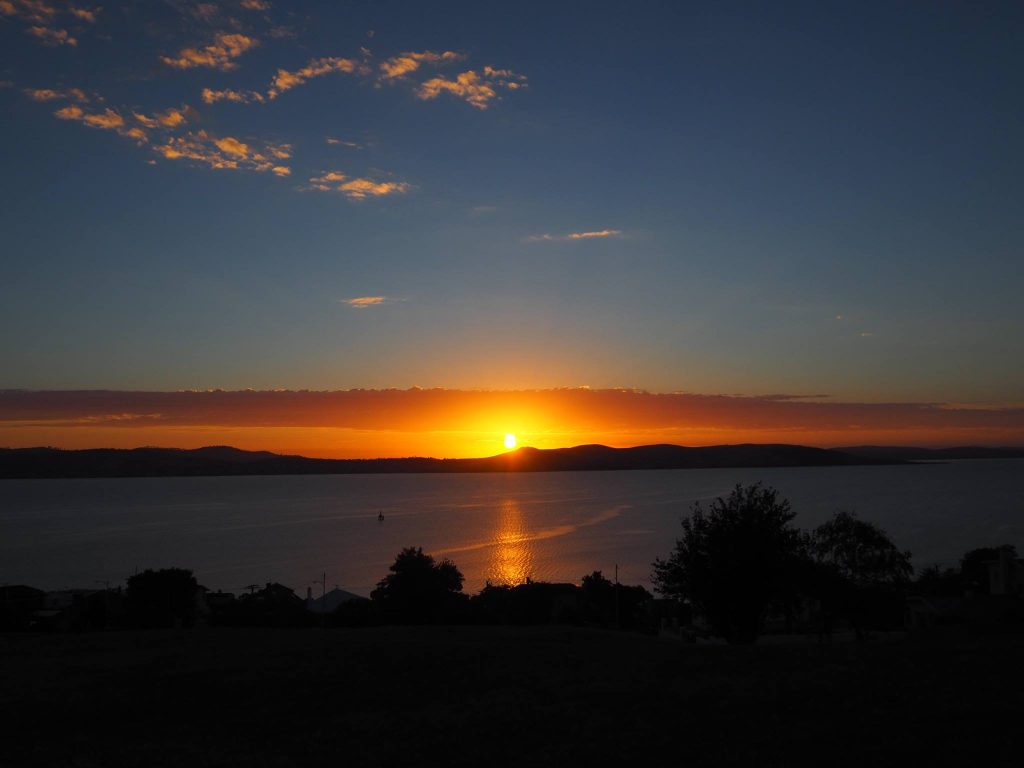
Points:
point(1006, 574)
point(330, 602)
point(81, 609)
point(17, 604)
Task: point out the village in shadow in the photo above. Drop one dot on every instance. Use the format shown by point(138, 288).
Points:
point(761, 644)
point(741, 571)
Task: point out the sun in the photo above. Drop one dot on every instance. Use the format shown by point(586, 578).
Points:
point(510, 441)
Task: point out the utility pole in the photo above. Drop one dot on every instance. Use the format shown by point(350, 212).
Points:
point(618, 624)
point(323, 599)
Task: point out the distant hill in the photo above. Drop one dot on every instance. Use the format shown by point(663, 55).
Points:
point(932, 454)
point(224, 460)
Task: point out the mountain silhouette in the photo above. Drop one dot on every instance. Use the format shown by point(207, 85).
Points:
point(225, 460)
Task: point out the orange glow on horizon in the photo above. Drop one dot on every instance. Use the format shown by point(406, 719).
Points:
point(463, 423)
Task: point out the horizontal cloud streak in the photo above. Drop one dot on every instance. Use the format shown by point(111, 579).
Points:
point(356, 188)
point(570, 236)
point(430, 409)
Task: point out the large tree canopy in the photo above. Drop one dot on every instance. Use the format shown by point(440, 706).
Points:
point(418, 589)
point(734, 561)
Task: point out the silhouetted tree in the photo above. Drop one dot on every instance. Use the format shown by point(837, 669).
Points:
point(871, 571)
point(861, 552)
point(163, 598)
point(273, 606)
point(735, 561)
point(418, 589)
point(974, 567)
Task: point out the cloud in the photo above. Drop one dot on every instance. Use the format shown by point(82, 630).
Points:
point(363, 302)
point(409, 62)
point(42, 15)
point(613, 414)
point(211, 96)
point(335, 142)
point(226, 152)
point(476, 89)
point(571, 236)
point(356, 188)
point(52, 36)
point(255, 5)
point(49, 94)
point(169, 118)
point(285, 80)
point(85, 14)
point(28, 10)
point(220, 54)
point(109, 119)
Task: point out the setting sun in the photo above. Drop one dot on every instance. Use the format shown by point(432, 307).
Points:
point(510, 441)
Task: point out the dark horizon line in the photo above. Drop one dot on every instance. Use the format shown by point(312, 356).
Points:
point(29, 463)
point(896, 447)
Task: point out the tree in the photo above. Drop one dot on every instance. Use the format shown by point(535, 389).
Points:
point(163, 598)
point(861, 552)
point(418, 589)
point(869, 572)
point(735, 561)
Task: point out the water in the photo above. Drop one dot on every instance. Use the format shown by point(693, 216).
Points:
point(235, 531)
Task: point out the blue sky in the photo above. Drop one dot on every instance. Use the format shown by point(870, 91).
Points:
point(780, 198)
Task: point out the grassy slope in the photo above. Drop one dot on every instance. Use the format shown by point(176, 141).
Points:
point(499, 696)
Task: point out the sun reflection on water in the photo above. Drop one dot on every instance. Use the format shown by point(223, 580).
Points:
point(511, 559)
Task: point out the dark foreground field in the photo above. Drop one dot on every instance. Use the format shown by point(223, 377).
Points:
point(498, 696)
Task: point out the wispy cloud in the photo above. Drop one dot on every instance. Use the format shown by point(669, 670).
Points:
point(478, 89)
point(255, 5)
point(50, 94)
point(42, 15)
point(85, 14)
point(364, 302)
point(107, 120)
point(220, 54)
point(344, 143)
point(28, 10)
point(571, 236)
point(285, 80)
point(169, 118)
point(356, 188)
point(211, 96)
point(226, 152)
point(52, 36)
point(408, 62)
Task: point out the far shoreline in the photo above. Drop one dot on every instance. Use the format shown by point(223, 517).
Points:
point(226, 461)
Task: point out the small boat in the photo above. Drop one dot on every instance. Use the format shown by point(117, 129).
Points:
point(380, 516)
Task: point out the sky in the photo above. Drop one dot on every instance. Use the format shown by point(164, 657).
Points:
point(807, 211)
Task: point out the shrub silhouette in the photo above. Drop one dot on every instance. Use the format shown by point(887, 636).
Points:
point(419, 590)
point(735, 561)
